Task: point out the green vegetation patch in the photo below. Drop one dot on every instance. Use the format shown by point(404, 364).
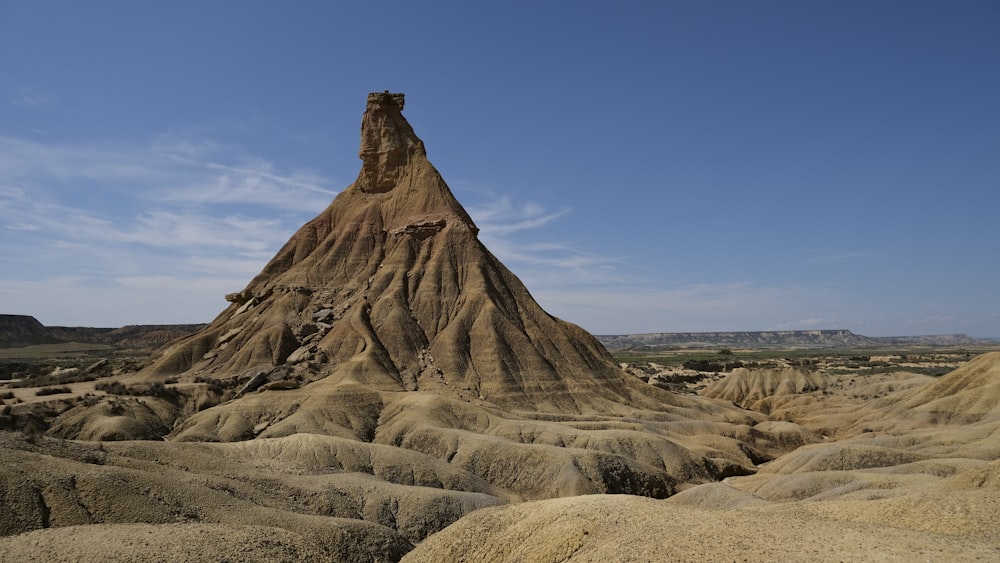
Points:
point(63, 349)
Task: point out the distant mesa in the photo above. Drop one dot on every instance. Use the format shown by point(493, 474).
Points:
point(17, 331)
point(781, 339)
point(23, 330)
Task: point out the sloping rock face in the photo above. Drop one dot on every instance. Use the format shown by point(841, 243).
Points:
point(23, 330)
point(390, 288)
point(967, 395)
point(746, 387)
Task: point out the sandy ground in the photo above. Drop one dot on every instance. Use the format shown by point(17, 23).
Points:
point(615, 528)
point(897, 467)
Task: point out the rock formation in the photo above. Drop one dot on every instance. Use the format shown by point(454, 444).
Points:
point(390, 288)
point(386, 320)
point(386, 382)
point(23, 330)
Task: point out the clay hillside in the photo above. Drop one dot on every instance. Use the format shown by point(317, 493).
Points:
point(386, 388)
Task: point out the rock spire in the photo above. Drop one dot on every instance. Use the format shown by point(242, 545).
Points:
point(390, 288)
point(388, 143)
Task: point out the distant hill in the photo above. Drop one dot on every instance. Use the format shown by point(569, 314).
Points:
point(24, 330)
point(938, 340)
point(780, 339)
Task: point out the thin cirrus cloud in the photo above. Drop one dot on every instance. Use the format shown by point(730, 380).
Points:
point(107, 223)
point(43, 164)
point(810, 323)
point(502, 224)
point(721, 305)
point(253, 183)
point(158, 228)
point(838, 257)
point(32, 99)
point(168, 228)
point(598, 291)
point(161, 174)
point(500, 216)
point(172, 229)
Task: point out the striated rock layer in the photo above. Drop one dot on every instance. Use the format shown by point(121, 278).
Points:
point(390, 288)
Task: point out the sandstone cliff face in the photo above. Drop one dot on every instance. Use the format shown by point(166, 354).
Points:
point(390, 288)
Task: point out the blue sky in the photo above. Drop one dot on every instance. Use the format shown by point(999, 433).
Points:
point(642, 166)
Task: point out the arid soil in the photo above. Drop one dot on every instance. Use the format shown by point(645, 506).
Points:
point(914, 475)
point(385, 387)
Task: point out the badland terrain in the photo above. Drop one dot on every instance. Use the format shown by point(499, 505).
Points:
point(386, 389)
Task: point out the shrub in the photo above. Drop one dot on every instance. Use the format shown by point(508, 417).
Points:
point(112, 387)
point(52, 391)
point(54, 379)
point(141, 390)
point(217, 384)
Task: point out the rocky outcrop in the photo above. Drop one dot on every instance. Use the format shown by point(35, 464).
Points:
point(390, 288)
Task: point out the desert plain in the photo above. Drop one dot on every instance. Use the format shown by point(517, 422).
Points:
point(385, 389)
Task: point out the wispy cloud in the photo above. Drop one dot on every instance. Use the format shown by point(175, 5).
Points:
point(160, 177)
point(838, 257)
point(74, 227)
point(11, 192)
point(608, 294)
point(118, 220)
point(511, 231)
point(642, 306)
point(32, 99)
point(82, 301)
point(118, 234)
point(500, 216)
point(935, 319)
point(807, 324)
point(42, 164)
point(250, 182)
